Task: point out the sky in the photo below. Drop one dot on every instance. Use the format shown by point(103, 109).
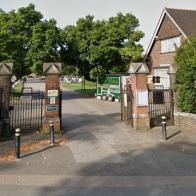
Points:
point(67, 12)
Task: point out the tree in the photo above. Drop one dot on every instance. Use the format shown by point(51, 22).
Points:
point(26, 40)
point(94, 47)
point(185, 76)
point(76, 41)
point(45, 43)
point(15, 36)
point(102, 47)
point(68, 70)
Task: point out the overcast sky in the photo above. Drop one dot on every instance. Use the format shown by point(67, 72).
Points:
point(67, 12)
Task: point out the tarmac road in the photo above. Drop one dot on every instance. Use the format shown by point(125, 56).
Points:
point(104, 156)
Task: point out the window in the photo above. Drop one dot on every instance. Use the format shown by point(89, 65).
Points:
point(165, 79)
point(168, 45)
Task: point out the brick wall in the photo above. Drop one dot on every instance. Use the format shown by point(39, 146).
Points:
point(5, 82)
point(47, 121)
point(156, 58)
point(52, 84)
point(140, 114)
point(187, 121)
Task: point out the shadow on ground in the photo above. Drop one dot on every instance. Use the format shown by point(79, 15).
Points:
point(165, 159)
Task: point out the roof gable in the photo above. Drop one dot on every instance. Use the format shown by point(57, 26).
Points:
point(184, 21)
point(165, 31)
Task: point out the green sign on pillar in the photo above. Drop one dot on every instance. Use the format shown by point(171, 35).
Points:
point(51, 108)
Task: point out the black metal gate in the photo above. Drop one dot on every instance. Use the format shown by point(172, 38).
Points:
point(27, 112)
point(160, 104)
point(126, 106)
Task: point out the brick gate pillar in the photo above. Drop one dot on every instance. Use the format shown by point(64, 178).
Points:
point(139, 72)
point(52, 72)
point(6, 70)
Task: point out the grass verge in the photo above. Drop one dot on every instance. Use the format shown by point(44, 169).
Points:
point(56, 132)
point(90, 90)
point(18, 88)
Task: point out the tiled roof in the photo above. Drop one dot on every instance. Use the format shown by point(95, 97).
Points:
point(185, 19)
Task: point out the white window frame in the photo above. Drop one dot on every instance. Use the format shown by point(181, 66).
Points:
point(168, 45)
point(165, 79)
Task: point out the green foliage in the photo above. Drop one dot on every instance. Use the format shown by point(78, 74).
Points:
point(27, 41)
point(91, 48)
point(47, 132)
point(45, 42)
point(101, 47)
point(58, 132)
point(68, 70)
point(90, 83)
point(185, 76)
point(90, 90)
point(44, 132)
point(18, 88)
point(8, 134)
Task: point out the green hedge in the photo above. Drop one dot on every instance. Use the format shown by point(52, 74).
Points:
point(186, 75)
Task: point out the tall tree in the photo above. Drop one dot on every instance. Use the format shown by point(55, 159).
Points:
point(45, 43)
point(76, 45)
point(15, 36)
point(26, 40)
point(103, 46)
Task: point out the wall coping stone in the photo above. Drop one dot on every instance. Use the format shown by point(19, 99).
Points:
point(140, 116)
point(172, 69)
point(55, 119)
point(188, 115)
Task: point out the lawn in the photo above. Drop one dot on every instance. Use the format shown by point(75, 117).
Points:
point(18, 88)
point(90, 90)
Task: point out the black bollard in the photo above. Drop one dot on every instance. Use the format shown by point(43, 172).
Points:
point(164, 131)
point(17, 143)
point(51, 132)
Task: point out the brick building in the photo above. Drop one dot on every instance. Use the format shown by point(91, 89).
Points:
point(174, 25)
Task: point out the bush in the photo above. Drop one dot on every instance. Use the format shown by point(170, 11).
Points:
point(186, 75)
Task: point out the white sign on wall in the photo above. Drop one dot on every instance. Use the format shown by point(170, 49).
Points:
point(125, 100)
point(52, 100)
point(52, 93)
point(142, 97)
